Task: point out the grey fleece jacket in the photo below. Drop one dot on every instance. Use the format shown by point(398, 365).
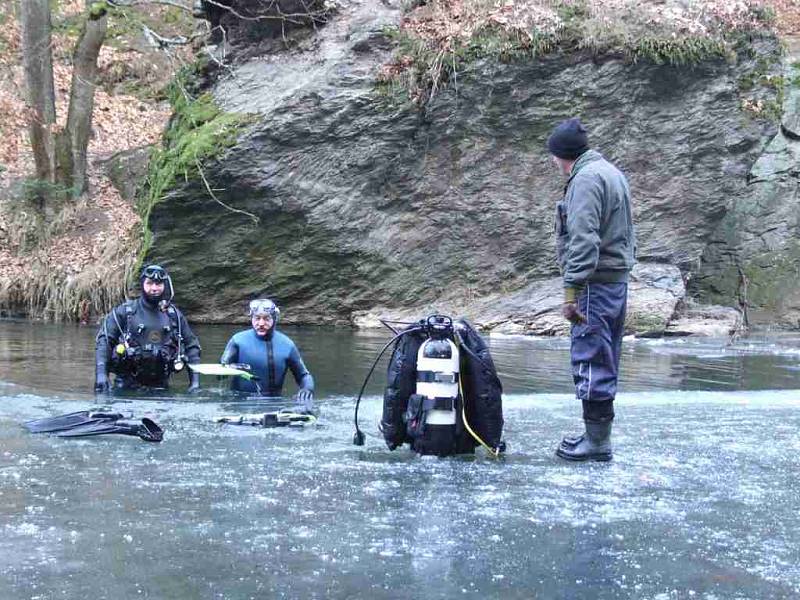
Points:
point(595, 239)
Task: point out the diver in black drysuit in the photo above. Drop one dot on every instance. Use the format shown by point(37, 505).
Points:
point(144, 341)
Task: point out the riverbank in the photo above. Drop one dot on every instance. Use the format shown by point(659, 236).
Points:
point(75, 262)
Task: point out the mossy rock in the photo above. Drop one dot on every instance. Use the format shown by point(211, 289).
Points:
point(198, 132)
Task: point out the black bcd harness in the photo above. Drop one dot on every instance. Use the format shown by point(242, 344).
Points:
point(479, 398)
point(148, 361)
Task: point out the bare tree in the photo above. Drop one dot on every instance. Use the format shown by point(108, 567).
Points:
point(38, 65)
point(60, 157)
point(72, 151)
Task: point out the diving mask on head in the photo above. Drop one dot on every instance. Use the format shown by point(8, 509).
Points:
point(159, 274)
point(264, 306)
point(155, 273)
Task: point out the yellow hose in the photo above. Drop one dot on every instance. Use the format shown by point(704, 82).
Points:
point(495, 452)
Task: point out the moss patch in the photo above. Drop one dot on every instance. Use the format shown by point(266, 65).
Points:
point(763, 282)
point(769, 276)
point(198, 131)
point(795, 76)
point(763, 87)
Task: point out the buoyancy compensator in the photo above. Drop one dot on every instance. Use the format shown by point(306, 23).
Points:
point(443, 395)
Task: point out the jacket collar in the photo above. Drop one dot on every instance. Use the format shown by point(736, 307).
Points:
point(584, 159)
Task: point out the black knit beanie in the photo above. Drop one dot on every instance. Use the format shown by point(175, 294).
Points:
point(568, 140)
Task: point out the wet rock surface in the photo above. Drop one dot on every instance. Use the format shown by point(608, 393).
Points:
point(753, 255)
point(369, 203)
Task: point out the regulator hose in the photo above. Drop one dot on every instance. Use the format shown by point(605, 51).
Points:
point(358, 437)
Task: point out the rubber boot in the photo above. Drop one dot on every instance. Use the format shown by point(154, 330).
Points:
point(571, 441)
point(594, 444)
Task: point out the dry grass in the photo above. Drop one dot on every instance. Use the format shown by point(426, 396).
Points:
point(435, 37)
point(448, 23)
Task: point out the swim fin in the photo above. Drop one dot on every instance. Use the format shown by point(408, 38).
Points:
point(144, 428)
point(69, 421)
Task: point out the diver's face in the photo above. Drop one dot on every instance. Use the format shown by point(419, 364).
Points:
point(262, 324)
point(153, 288)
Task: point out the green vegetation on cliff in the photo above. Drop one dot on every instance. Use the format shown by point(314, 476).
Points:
point(439, 38)
point(759, 282)
point(198, 131)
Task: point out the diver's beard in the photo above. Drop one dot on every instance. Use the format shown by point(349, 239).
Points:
point(152, 300)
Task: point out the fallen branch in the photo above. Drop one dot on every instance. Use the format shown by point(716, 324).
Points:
point(281, 16)
point(220, 202)
point(127, 3)
point(159, 41)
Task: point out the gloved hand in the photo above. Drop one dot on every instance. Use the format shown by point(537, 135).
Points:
point(194, 382)
point(571, 312)
point(101, 382)
point(305, 399)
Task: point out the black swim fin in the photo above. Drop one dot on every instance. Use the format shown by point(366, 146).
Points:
point(144, 428)
point(69, 421)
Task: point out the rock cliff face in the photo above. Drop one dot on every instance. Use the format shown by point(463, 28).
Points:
point(368, 203)
point(753, 256)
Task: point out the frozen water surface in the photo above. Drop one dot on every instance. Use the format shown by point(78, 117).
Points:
point(702, 499)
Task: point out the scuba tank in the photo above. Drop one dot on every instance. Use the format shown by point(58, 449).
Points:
point(443, 395)
point(431, 415)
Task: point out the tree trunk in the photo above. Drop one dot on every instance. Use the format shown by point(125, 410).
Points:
point(38, 65)
point(81, 101)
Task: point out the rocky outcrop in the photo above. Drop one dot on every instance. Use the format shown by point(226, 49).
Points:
point(654, 294)
point(753, 257)
point(366, 202)
point(127, 170)
point(710, 321)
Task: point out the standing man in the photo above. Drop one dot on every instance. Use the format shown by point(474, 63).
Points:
point(269, 353)
point(595, 246)
point(144, 341)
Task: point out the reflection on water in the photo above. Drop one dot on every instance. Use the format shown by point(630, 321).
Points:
point(60, 358)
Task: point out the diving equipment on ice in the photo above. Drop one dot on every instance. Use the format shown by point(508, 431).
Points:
point(87, 423)
point(443, 395)
point(285, 417)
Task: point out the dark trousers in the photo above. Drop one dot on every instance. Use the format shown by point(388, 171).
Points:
point(596, 344)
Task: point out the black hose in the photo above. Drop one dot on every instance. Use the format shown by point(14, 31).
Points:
point(479, 359)
point(358, 438)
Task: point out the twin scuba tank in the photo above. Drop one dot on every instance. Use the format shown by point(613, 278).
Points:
point(443, 395)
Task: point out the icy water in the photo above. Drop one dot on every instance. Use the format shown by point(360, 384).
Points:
point(702, 499)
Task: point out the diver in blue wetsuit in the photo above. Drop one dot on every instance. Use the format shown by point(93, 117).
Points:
point(269, 353)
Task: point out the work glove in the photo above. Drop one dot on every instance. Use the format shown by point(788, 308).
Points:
point(571, 312)
point(569, 309)
point(101, 385)
point(194, 382)
point(305, 399)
